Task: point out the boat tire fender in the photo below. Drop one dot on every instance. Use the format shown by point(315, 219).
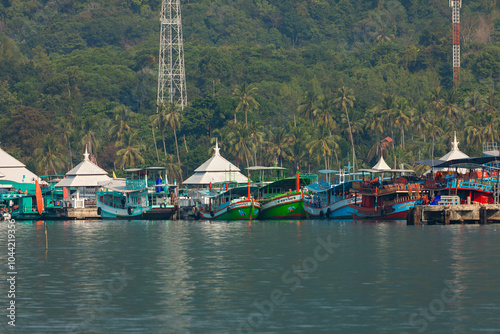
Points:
point(328, 212)
point(229, 208)
point(129, 210)
point(382, 212)
point(162, 205)
point(211, 213)
point(99, 211)
point(321, 214)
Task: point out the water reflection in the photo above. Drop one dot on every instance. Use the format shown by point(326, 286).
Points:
point(206, 277)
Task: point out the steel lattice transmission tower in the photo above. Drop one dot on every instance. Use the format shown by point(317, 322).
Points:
point(171, 72)
point(455, 17)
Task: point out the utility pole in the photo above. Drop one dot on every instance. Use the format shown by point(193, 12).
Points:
point(171, 72)
point(455, 18)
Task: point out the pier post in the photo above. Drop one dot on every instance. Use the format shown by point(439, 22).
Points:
point(410, 216)
point(482, 215)
point(418, 215)
point(446, 218)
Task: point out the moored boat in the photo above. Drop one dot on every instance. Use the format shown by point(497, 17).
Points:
point(282, 198)
point(232, 202)
point(138, 197)
point(329, 199)
point(386, 198)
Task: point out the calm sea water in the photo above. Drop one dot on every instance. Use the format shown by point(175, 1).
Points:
point(260, 277)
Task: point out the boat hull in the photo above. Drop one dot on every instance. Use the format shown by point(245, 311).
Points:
point(243, 210)
point(288, 206)
point(394, 211)
point(106, 211)
point(340, 209)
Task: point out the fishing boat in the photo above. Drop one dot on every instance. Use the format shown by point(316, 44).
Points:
point(465, 181)
point(138, 197)
point(332, 198)
point(20, 205)
point(387, 197)
point(280, 197)
point(33, 203)
point(230, 201)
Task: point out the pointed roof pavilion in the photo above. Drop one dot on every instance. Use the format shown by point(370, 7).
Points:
point(85, 174)
point(13, 170)
point(215, 170)
point(381, 164)
point(455, 153)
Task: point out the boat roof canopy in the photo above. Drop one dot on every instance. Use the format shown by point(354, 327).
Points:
point(265, 168)
point(242, 191)
point(387, 170)
point(134, 170)
point(470, 162)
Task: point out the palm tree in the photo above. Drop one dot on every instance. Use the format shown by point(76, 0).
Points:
point(402, 116)
point(90, 137)
point(474, 102)
point(246, 101)
point(387, 112)
point(322, 146)
point(473, 131)
point(129, 151)
point(323, 112)
point(279, 145)
point(158, 121)
point(298, 151)
point(420, 118)
point(451, 108)
point(174, 169)
point(153, 122)
point(120, 127)
point(173, 119)
point(346, 98)
point(49, 156)
point(307, 106)
point(492, 117)
point(241, 144)
point(257, 136)
point(436, 99)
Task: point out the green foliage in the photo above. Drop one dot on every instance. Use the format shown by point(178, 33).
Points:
point(71, 69)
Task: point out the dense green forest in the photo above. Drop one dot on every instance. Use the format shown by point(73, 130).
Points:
point(276, 81)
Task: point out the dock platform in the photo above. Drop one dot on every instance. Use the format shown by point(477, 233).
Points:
point(454, 214)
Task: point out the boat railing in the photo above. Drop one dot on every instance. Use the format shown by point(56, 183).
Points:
point(402, 199)
point(471, 184)
point(449, 200)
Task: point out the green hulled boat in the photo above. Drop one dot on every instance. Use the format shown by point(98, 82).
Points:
point(236, 203)
point(282, 198)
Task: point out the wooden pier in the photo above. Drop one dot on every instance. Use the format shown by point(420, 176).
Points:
point(454, 214)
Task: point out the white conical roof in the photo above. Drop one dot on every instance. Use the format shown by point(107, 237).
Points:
point(217, 163)
point(381, 165)
point(85, 174)
point(455, 153)
point(87, 167)
point(216, 169)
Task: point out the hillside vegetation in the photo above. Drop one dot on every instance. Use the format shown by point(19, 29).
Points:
point(276, 81)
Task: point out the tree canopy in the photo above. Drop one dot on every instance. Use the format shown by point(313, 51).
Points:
point(317, 81)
